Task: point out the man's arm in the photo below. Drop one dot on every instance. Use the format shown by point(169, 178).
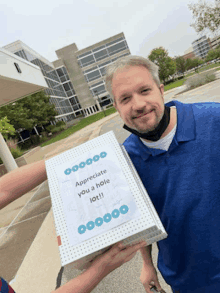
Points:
point(146, 255)
point(101, 267)
point(148, 274)
point(21, 180)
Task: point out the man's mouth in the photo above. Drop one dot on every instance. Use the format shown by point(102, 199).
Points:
point(142, 115)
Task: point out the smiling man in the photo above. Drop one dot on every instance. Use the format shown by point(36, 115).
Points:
point(175, 150)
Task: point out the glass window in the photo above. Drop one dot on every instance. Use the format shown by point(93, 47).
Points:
point(64, 69)
point(30, 57)
point(115, 41)
point(93, 75)
point(70, 93)
point(103, 71)
point(70, 84)
point(95, 84)
point(63, 78)
point(84, 54)
point(98, 48)
point(101, 55)
point(66, 86)
point(104, 64)
point(60, 72)
point(76, 107)
point(117, 48)
point(87, 60)
point(73, 101)
point(91, 69)
point(98, 90)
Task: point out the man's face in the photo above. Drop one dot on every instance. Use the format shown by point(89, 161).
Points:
point(138, 99)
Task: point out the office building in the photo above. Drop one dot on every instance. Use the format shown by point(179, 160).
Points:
point(55, 90)
point(76, 79)
point(215, 42)
point(86, 68)
point(201, 47)
point(189, 54)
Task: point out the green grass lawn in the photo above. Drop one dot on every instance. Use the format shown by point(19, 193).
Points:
point(209, 67)
point(83, 123)
point(174, 84)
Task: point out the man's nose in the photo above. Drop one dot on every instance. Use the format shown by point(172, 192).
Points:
point(138, 102)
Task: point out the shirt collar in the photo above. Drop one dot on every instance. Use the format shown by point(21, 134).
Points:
point(186, 130)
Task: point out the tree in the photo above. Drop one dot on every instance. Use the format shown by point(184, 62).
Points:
point(212, 54)
point(180, 64)
point(206, 16)
point(6, 128)
point(193, 63)
point(30, 111)
point(167, 65)
point(196, 62)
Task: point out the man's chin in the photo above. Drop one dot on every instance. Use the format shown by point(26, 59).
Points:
point(141, 130)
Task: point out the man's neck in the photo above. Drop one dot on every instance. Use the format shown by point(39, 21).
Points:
point(173, 120)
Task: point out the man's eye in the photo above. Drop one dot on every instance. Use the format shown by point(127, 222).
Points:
point(145, 90)
point(125, 99)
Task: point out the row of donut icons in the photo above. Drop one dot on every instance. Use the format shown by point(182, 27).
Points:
point(87, 162)
point(107, 218)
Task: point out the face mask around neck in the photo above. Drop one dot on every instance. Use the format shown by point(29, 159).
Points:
point(155, 134)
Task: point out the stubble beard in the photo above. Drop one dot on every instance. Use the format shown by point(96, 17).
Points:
point(143, 131)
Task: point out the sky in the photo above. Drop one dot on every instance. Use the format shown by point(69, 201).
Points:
point(46, 25)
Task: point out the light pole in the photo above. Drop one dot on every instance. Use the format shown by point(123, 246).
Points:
point(99, 100)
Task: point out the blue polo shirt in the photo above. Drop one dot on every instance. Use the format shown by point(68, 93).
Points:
point(184, 186)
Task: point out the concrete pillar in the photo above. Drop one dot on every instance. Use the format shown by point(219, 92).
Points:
point(99, 107)
point(36, 130)
point(6, 156)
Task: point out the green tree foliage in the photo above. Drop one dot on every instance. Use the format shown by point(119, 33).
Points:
point(6, 128)
point(206, 16)
point(193, 63)
point(180, 64)
point(30, 111)
point(212, 54)
point(167, 65)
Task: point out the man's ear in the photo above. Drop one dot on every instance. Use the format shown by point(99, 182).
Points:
point(161, 88)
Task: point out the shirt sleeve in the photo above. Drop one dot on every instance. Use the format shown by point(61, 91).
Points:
point(5, 287)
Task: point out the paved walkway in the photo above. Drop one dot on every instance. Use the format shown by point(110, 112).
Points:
point(31, 240)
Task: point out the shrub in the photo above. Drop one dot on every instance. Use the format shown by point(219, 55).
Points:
point(12, 143)
point(26, 144)
point(43, 138)
point(55, 129)
point(49, 128)
point(60, 123)
point(35, 139)
point(16, 153)
point(200, 79)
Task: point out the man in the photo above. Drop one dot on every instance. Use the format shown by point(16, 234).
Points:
point(175, 149)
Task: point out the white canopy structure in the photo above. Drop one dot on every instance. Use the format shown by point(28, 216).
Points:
point(18, 78)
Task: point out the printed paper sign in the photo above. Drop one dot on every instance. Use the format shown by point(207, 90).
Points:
point(95, 194)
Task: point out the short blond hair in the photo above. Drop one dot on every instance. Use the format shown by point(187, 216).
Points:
point(127, 61)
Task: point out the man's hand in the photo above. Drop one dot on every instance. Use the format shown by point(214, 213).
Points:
point(149, 278)
point(115, 257)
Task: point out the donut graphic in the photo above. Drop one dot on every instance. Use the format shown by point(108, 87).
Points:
point(123, 209)
point(107, 217)
point(99, 222)
point(90, 225)
point(115, 213)
point(82, 229)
